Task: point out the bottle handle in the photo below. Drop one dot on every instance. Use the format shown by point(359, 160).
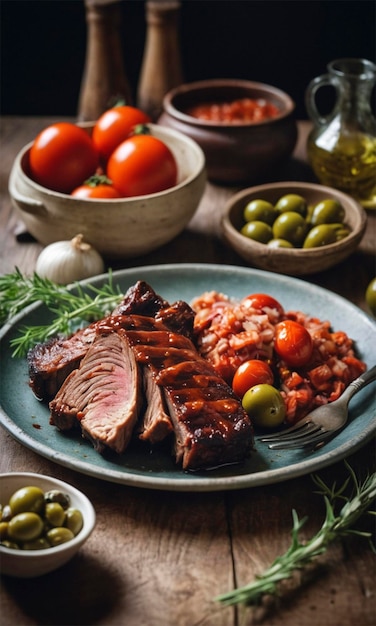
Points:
point(310, 98)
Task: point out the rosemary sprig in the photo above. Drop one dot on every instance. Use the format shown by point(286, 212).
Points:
point(71, 305)
point(300, 554)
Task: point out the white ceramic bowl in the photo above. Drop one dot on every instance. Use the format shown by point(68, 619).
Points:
point(32, 563)
point(292, 261)
point(120, 228)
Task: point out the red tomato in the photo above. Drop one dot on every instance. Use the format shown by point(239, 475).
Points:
point(100, 192)
point(97, 186)
point(62, 156)
point(141, 165)
point(249, 374)
point(114, 126)
point(263, 301)
point(293, 343)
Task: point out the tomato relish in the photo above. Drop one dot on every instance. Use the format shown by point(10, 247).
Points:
point(241, 111)
point(230, 332)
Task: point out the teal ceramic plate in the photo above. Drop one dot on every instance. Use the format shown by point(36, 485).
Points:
point(26, 419)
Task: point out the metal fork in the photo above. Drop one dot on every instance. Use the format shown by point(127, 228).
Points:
point(320, 425)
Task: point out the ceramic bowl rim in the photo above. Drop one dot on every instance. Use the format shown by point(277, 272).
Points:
point(186, 88)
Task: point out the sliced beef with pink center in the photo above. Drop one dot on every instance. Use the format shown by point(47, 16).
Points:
point(103, 396)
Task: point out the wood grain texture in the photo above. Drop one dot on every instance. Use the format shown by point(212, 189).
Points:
point(159, 558)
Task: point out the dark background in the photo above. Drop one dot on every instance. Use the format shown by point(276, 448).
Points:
point(284, 43)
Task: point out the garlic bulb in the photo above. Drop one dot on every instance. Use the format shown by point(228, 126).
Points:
point(65, 262)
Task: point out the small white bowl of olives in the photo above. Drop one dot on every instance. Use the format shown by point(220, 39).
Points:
point(43, 523)
point(293, 228)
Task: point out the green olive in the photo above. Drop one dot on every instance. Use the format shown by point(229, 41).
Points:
point(27, 499)
point(292, 202)
point(327, 212)
point(260, 210)
point(37, 544)
point(279, 243)
point(54, 495)
point(259, 231)
point(371, 296)
point(321, 235)
point(59, 535)
point(54, 514)
point(74, 520)
point(340, 230)
point(3, 530)
point(290, 226)
point(265, 406)
point(25, 527)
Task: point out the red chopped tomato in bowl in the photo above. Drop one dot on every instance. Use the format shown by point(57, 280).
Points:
point(241, 111)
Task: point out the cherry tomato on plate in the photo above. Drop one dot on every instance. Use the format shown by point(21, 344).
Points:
point(293, 343)
point(251, 373)
point(264, 405)
point(262, 301)
point(114, 126)
point(97, 187)
point(62, 156)
point(141, 165)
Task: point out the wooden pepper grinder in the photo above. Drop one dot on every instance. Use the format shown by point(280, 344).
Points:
point(104, 81)
point(161, 64)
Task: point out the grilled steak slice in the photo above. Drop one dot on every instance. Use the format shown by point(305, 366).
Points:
point(211, 427)
point(102, 396)
point(51, 362)
point(155, 424)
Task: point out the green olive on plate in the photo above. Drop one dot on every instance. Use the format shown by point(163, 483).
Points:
point(265, 406)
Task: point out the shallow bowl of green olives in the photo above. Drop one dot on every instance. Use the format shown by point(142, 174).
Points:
point(29, 563)
point(296, 260)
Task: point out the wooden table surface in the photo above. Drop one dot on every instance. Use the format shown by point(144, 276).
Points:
point(160, 558)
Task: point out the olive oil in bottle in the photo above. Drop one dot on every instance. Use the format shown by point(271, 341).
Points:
point(350, 166)
point(342, 145)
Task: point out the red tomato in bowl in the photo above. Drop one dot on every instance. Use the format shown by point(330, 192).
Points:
point(97, 187)
point(114, 126)
point(62, 156)
point(293, 343)
point(99, 192)
point(142, 165)
point(251, 373)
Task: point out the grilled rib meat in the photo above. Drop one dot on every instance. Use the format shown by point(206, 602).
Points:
point(142, 356)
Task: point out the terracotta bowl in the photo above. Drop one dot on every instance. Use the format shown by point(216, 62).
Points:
point(235, 153)
point(119, 228)
point(31, 563)
point(292, 261)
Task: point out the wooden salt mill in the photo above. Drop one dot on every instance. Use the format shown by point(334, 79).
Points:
point(104, 80)
point(161, 64)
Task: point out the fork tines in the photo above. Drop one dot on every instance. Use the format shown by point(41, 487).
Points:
point(304, 434)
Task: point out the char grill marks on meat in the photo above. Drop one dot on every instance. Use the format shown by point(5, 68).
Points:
point(210, 426)
point(103, 395)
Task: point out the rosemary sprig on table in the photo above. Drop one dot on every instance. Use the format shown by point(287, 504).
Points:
point(71, 305)
point(300, 554)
